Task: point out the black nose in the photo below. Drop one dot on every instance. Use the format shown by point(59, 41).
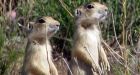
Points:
point(57, 25)
point(106, 10)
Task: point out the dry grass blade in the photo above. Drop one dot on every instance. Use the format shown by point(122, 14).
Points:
point(67, 66)
point(112, 52)
point(63, 5)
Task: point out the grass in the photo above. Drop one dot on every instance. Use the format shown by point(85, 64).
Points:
point(121, 31)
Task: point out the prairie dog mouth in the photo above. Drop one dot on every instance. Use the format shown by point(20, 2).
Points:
point(53, 28)
point(103, 17)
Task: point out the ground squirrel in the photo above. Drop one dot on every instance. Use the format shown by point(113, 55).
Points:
point(87, 49)
point(38, 58)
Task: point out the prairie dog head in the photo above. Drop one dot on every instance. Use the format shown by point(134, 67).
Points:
point(43, 27)
point(92, 11)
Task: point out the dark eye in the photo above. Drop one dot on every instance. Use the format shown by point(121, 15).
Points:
point(40, 21)
point(90, 6)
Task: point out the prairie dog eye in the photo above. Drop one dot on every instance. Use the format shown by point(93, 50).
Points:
point(89, 6)
point(40, 21)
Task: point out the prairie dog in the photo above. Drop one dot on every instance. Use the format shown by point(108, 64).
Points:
point(87, 49)
point(38, 60)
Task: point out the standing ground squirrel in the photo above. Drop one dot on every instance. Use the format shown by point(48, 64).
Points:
point(87, 53)
point(38, 58)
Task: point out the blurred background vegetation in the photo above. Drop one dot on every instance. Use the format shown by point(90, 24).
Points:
point(120, 33)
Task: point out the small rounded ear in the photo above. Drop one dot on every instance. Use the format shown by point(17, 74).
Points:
point(30, 26)
point(40, 20)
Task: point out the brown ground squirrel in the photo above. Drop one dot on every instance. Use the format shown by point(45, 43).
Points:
point(87, 49)
point(38, 58)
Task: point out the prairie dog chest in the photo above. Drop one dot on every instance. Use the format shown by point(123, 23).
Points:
point(92, 36)
point(40, 49)
point(42, 54)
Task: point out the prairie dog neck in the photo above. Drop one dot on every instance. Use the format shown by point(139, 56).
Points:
point(39, 38)
point(87, 23)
